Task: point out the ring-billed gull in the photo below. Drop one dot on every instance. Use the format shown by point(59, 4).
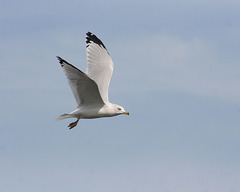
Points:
point(90, 89)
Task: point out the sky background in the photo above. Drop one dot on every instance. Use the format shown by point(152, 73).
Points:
point(177, 67)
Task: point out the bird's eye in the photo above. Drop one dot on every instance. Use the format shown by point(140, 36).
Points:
point(119, 108)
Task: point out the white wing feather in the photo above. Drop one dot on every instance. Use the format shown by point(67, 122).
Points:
point(99, 64)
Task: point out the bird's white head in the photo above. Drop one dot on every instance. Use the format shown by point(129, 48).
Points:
point(120, 110)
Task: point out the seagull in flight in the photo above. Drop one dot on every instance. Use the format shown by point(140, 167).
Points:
point(90, 89)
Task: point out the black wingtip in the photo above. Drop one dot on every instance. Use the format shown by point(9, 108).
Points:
point(61, 61)
point(93, 38)
point(65, 63)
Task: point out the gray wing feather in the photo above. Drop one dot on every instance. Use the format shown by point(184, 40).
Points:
point(84, 89)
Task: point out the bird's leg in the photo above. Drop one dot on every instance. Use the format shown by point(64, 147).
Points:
point(73, 124)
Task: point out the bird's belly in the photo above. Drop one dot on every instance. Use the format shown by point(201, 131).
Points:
point(91, 113)
point(96, 115)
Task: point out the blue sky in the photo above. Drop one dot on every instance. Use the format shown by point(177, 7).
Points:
point(176, 72)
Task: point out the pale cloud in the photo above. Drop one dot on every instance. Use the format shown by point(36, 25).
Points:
point(192, 66)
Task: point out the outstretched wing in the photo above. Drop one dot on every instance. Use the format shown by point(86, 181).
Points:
point(84, 89)
point(99, 64)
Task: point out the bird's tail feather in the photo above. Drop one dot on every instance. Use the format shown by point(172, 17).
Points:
point(64, 116)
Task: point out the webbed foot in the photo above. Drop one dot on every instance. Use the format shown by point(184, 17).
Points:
point(73, 124)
